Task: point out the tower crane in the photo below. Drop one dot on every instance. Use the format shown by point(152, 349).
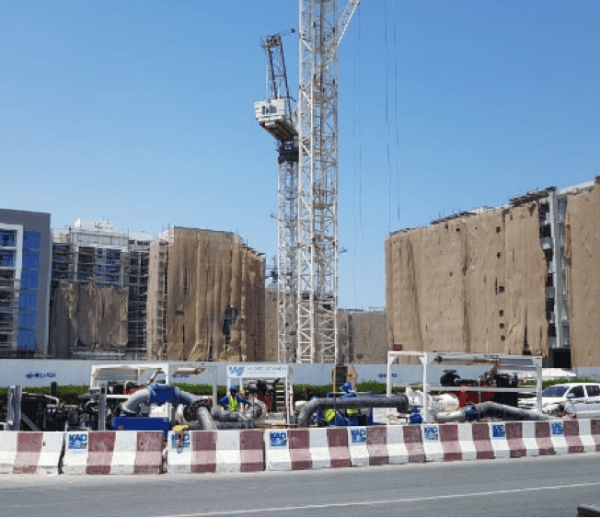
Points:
point(276, 116)
point(307, 142)
point(322, 29)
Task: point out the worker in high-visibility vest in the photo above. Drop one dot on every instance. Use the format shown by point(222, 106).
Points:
point(232, 400)
point(351, 413)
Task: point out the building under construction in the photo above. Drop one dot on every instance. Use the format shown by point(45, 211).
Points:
point(206, 298)
point(24, 283)
point(523, 278)
point(99, 292)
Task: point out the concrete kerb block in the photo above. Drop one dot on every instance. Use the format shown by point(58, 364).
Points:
point(379, 445)
point(431, 443)
point(319, 448)
point(557, 435)
point(396, 446)
point(578, 433)
point(277, 450)
point(413, 439)
point(543, 437)
point(450, 443)
point(482, 441)
point(465, 439)
point(441, 442)
point(498, 440)
point(595, 432)
point(37, 453)
point(112, 453)
point(529, 439)
point(316, 448)
point(357, 444)
point(209, 451)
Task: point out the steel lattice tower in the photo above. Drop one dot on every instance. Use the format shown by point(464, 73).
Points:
point(275, 115)
point(321, 32)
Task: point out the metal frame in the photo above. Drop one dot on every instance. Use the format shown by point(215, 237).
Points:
point(283, 129)
point(504, 362)
point(241, 372)
point(321, 32)
point(144, 373)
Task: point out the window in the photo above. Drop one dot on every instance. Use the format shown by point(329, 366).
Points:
point(28, 300)
point(7, 258)
point(554, 391)
point(32, 240)
point(7, 238)
point(112, 256)
point(26, 341)
point(31, 260)
point(29, 280)
point(27, 320)
point(576, 392)
point(593, 390)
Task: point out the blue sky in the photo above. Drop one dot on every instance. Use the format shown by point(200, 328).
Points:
point(141, 112)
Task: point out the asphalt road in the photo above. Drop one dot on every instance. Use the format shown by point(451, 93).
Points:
point(544, 486)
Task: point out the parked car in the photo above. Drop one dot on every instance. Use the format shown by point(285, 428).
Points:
point(557, 398)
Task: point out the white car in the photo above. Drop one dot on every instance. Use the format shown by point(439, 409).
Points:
point(567, 396)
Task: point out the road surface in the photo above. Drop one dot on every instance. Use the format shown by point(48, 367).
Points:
point(544, 486)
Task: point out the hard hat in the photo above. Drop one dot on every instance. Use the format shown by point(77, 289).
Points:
point(233, 388)
point(347, 387)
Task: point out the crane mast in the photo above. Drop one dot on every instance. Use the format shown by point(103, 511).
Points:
point(307, 143)
point(276, 116)
point(321, 31)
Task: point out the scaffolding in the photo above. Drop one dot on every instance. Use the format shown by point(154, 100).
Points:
point(553, 204)
point(97, 253)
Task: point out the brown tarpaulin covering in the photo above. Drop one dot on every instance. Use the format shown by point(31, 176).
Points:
point(582, 251)
point(215, 295)
point(83, 315)
point(474, 284)
point(362, 336)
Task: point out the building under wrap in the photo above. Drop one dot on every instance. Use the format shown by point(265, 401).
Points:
point(214, 288)
point(523, 278)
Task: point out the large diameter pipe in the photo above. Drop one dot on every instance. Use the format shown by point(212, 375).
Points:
point(399, 401)
point(205, 419)
point(143, 396)
point(490, 409)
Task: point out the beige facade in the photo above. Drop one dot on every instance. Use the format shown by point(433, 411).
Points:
point(523, 278)
point(214, 296)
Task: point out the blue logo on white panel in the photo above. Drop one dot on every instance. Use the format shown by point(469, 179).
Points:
point(432, 433)
point(557, 428)
point(498, 431)
point(180, 441)
point(359, 435)
point(78, 441)
point(236, 371)
point(278, 439)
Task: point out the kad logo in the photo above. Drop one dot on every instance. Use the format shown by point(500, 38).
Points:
point(78, 441)
point(278, 439)
point(358, 435)
point(236, 371)
point(499, 432)
point(180, 440)
point(431, 433)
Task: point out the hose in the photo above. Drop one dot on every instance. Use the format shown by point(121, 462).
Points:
point(399, 401)
point(490, 409)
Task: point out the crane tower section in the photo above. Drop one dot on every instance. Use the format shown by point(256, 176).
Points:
point(321, 31)
point(275, 115)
